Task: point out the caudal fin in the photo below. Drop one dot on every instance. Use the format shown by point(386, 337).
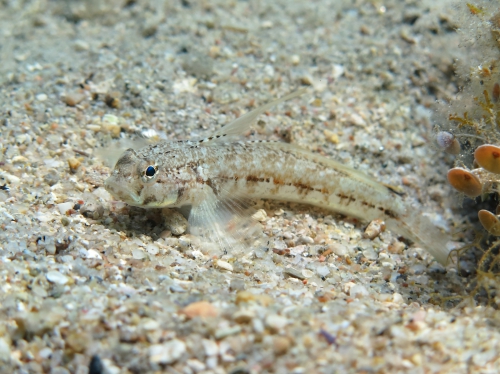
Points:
point(422, 231)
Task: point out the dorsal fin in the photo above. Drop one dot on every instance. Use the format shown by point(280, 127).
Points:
point(242, 124)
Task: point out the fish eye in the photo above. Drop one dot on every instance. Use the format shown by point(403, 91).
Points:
point(150, 171)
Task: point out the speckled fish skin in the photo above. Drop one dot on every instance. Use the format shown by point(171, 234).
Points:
point(254, 169)
point(218, 169)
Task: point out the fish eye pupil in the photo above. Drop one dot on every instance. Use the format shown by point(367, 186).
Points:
point(150, 171)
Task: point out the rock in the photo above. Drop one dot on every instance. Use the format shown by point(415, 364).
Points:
point(244, 316)
point(72, 98)
point(152, 249)
point(138, 254)
point(64, 207)
point(174, 221)
point(397, 298)
point(224, 265)
point(358, 291)
point(197, 64)
point(281, 344)
point(56, 277)
point(150, 325)
point(74, 163)
point(95, 365)
point(52, 177)
point(80, 45)
point(223, 333)
point(374, 229)
point(110, 125)
point(246, 296)
point(211, 348)
point(294, 273)
point(167, 353)
point(41, 97)
point(260, 215)
point(323, 270)
point(4, 350)
point(92, 209)
point(307, 273)
point(276, 322)
point(237, 284)
point(339, 249)
point(200, 309)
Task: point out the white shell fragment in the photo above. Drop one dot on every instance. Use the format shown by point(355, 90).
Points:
point(167, 353)
point(56, 277)
point(224, 265)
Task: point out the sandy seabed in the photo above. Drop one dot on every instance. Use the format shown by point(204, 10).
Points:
point(90, 285)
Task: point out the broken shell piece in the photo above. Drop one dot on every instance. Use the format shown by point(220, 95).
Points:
point(374, 229)
point(448, 142)
point(490, 222)
point(464, 181)
point(488, 157)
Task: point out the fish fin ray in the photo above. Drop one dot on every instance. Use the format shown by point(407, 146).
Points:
point(226, 222)
point(240, 125)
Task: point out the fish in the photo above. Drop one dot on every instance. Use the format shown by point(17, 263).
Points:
point(217, 176)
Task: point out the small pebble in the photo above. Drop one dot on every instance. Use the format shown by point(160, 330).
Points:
point(210, 347)
point(358, 291)
point(95, 365)
point(197, 64)
point(244, 316)
point(52, 177)
point(374, 229)
point(138, 254)
point(294, 273)
point(64, 207)
point(200, 309)
point(167, 353)
point(110, 125)
point(281, 344)
point(396, 247)
point(223, 333)
point(260, 215)
point(237, 284)
point(4, 350)
point(152, 249)
point(275, 322)
point(74, 163)
point(80, 45)
point(337, 71)
point(306, 80)
point(73, 98)
point(174, 221)
point(307, 273)
point(224, 265)
point(56, 277)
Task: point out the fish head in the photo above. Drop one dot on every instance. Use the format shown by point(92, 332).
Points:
point(140, 182)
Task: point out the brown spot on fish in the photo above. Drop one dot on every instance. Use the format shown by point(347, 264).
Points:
point(149, 199)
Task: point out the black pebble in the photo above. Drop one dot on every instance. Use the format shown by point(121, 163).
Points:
point(95, 366)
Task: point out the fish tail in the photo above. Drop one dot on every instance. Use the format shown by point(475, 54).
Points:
point(422, 231)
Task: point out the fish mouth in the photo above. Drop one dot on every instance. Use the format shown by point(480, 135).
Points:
point(121, 192)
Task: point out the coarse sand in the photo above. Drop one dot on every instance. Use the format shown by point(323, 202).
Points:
point(91, 285)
